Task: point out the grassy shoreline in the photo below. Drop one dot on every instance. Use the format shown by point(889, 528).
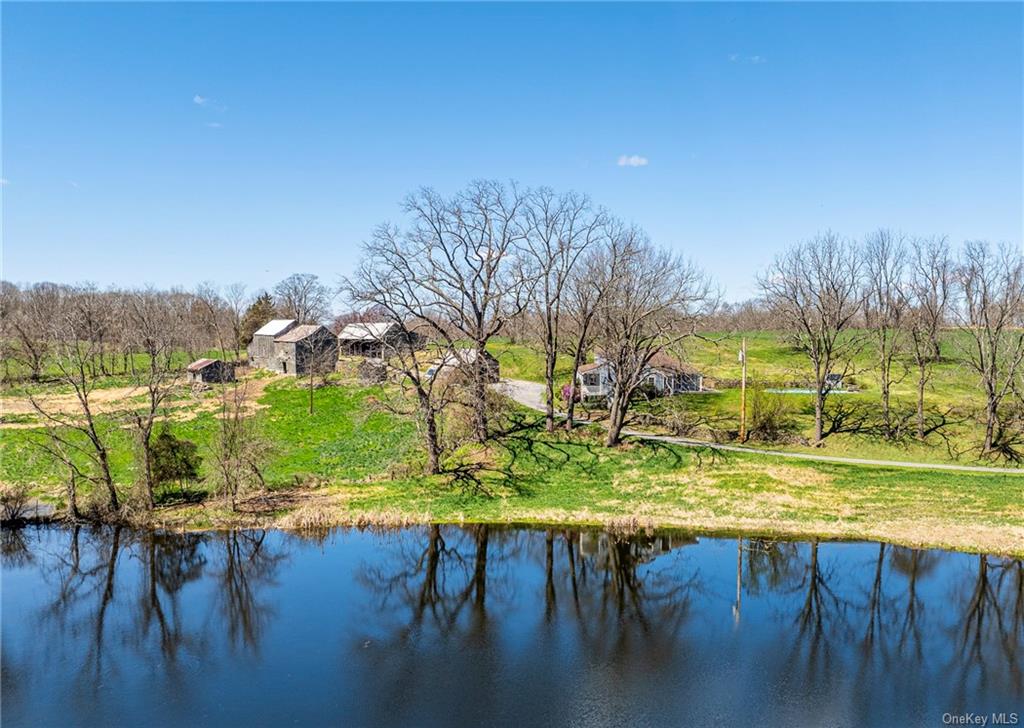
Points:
point(735, 496)
point(352, 464)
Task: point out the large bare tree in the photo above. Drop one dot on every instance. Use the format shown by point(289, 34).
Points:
point(928, 289)
point(156, 326)
point(589, 282)
point(458, 269)
point(990, 284)
point(78, 439)
point(886, 309)
point(653, 301)
point(815, 290)
point(303, 297)
point(561, 229)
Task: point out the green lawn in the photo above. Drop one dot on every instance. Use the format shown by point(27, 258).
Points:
point(354, 464)
point(772, 362)
point(344, 438)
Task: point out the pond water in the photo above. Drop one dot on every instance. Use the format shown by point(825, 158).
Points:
point(500, 626)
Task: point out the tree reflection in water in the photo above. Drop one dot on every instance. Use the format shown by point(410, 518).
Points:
point(990, 626)
point(94, 577)
point(504, 609)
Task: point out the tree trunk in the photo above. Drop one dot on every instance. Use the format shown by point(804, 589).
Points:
point(921, 377)
point(433, 448)
point(615, 421)
point(480, 387)
point(73, 496)
point(108, 479)
point(885, 367)
point(990, 426)
point(549, 381)
point(570, 410)
point(819, 411)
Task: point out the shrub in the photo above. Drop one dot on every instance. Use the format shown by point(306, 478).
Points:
point(771, 416)
point(13, 502)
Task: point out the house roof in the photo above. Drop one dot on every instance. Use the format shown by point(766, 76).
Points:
point(200, 364)
point(366, 331)
point(274, 328)
point(660, 361)
point(670, 363)
point(299, 333)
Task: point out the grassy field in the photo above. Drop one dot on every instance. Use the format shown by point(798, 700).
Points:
point(772, 362)
point(349, 462)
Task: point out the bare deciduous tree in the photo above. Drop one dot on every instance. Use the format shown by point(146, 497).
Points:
point(561, 229)
point(815, 290)
point(886, 312)
point(238, 451)
point(652, 303)
point(302, 296)
point(155, 325)
point(585, 292)
point(990, 283)
point(458, 271)
point(78, 440)
point(928, 288)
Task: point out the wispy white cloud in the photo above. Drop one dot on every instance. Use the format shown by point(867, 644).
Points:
point(3, 182)
point(208, 103)
point(632, 160)
point(214, 125)
point(73, 183)
point(752, 60)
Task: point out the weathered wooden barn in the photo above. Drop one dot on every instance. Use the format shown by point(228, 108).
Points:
point(210, 371)
point(304, 348)
point(261, 348)
point(371, 339)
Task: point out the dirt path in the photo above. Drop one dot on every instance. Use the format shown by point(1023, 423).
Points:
point(531, 394)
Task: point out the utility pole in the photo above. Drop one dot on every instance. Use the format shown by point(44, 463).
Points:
point(743, 391)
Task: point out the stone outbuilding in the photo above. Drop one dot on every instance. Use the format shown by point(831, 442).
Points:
point(301, 349)
point(261, 348)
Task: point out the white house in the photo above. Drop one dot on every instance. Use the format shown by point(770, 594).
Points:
point(663, 374)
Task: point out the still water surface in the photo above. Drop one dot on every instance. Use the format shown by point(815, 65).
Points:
point(487, 626)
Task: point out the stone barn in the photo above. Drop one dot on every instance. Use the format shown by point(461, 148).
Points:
point(303, 348)
point(210, 371)
point(261, 348)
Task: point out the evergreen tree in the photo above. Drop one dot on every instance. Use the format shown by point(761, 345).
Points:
point(260, 311)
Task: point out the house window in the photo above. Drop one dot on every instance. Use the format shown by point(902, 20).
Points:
point(591, 379)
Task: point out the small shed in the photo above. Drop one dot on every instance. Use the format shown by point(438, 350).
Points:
point(306, 348)
point(370, 338)
point(210, 371)
point(261, 348)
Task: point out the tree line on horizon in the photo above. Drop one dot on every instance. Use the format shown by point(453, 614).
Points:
point(568, 276)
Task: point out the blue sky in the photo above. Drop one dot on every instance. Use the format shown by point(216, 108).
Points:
point(176, 143)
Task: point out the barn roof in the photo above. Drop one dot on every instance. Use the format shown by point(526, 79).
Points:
point(274, 328)
point(366, 331)
point(200, 364)
point(299, 333)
